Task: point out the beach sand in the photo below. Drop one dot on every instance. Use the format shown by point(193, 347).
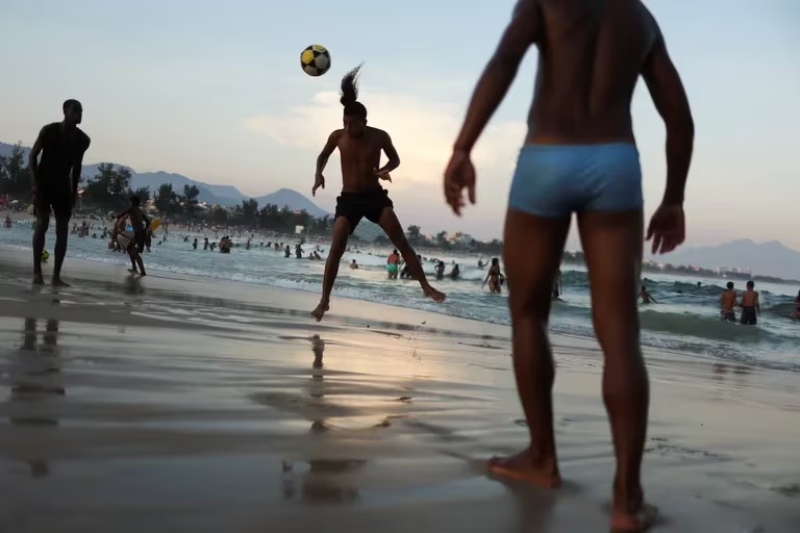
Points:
point(172, 405)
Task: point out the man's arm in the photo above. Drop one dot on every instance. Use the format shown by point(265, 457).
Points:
point(523, 31)
point(77, 167)
point(391, 153)
point(330, 146)
point(33, 158)
point(758, 306)
point(669, 97)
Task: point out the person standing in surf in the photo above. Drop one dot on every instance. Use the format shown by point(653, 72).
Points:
point(580, 156)
point(362, 196)
point(55, 183)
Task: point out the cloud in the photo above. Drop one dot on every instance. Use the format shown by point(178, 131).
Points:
point(422, 130)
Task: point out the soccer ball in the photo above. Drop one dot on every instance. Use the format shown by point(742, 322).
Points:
point(315, 60)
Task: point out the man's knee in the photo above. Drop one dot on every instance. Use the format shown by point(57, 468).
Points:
point(62, 227)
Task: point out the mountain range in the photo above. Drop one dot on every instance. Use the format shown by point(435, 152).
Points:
point(226, 195)
point(769, 258)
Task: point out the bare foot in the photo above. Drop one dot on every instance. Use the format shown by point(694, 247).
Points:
point(320, 311)
point(433, 294)
point(642, 520)
point(38, 279)
point(133, 271)
point(519, 467)
point(58, 282)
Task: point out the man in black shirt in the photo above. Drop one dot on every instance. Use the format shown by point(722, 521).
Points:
point(55, 183)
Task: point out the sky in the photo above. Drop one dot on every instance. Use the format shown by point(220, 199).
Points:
point(214, 91)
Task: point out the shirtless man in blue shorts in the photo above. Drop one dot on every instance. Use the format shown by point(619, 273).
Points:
point(580, 157)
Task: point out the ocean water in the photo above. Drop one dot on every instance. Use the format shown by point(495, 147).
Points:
point(685, 320)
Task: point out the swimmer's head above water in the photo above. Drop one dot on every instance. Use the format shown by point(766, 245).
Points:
point(355, 113)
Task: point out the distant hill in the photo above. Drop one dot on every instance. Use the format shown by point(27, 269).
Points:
point(294, 200)
point(766, 259)
point(227, 195)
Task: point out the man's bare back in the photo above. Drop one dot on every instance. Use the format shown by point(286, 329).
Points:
point(361, 157)
point(588, 68)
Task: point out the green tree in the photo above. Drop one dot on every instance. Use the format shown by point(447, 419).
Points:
point(108, 188)
point(15, 176)
point(442, 239)
point(190, 194)
point(220, 216)
point(414, 234)
point(142, 192)
point(248, 212)
point(166, 199)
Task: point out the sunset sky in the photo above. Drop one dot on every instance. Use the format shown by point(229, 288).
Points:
point(214, 91)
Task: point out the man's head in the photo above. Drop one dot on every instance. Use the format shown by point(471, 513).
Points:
point(355, 114)
point(751, 284)
point(73, 112)
point(136, 201)
point(730, 285)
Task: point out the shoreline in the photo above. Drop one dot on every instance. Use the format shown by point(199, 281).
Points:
point(707, 274)
point(655, 337)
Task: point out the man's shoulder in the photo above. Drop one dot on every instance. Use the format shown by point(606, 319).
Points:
point(85, 140)
point(50, 128)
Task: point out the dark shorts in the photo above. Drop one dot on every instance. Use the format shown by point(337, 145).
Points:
point(59, 200)
point(728, 316)
point(749, 316)
point(357, 205)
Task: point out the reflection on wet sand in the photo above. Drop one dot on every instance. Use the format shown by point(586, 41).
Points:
point(35, 380)
point(323, 480)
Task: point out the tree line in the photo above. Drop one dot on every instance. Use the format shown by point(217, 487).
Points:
point(110, 190)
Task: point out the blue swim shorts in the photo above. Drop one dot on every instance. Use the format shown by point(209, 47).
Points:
point(554, 181)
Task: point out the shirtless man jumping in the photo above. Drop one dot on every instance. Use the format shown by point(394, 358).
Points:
point(360, 148)
point(580, 156)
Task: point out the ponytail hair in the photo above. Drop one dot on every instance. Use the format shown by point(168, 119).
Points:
point(349, 99)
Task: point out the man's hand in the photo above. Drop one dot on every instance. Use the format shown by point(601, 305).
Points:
point(667, 228)
point(459, 175)
point(383, 174)
point(319, 181)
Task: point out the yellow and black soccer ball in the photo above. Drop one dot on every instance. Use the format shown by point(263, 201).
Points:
point(45, 256)
point(315, 60)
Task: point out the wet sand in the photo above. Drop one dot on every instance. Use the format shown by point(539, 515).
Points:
point(171, 405)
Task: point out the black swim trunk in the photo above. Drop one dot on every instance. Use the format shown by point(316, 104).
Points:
point(357, 205)
point(749, 316)
point(728, 316)
point(60, 200)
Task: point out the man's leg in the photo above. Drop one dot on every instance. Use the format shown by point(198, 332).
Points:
point(533, 247)
point(140, 246)
point(391, 226)
point(341, 234)
point(132, 257)
point(62, 237)
point(42, 223)
point(612, 244)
